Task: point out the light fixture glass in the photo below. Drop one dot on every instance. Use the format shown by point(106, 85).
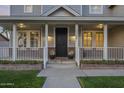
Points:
point(100, 26)
point(21, 25)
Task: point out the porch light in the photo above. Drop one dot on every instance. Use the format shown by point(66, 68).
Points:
point(73, 38)
point(21, 25)
point(100, 26)
point(50, 38)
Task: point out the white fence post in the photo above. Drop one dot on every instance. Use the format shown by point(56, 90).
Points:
point(105, 42)
point(14, 43)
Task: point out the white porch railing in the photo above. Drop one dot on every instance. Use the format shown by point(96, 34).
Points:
point(113, 53)
point(5, 53)
point(21, 53)
point(91, 53)
point(29, 53)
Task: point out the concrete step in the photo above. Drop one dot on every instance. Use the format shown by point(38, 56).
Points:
point(61, 61)
point(61, 66)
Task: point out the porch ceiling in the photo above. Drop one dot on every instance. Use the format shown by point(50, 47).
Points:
point(30, 27)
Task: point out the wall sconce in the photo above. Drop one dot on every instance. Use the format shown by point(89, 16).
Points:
point(100, 26)
point(73, 38)
point(50, 38)
point(21, 25)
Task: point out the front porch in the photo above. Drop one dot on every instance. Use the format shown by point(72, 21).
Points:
point(91, 41)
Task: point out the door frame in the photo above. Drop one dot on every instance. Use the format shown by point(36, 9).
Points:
point(67, 35)
point(67, 27)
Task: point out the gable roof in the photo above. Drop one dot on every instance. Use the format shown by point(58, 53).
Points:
point(70, 10)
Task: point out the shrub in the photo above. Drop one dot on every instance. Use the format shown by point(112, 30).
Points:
point(101, 62)
point(20, 62)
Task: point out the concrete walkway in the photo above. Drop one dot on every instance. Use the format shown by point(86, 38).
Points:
point(64, 75)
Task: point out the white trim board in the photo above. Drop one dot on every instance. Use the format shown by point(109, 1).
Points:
point(64, 7)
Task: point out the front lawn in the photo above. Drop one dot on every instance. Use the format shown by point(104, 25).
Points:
point(20, 79)
point(102, 82)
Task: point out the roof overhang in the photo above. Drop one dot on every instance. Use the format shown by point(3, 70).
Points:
point(10, 19)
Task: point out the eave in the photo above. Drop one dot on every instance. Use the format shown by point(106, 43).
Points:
point(10, 19)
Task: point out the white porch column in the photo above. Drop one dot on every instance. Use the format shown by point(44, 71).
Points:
point(77, 45)
point(14, 43)
point(105, 41)
point(46, 46)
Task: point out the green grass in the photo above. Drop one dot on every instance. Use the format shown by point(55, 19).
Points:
point(102, 82)
point(20, 79)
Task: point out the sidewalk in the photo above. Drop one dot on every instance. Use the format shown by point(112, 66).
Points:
point(64, 75)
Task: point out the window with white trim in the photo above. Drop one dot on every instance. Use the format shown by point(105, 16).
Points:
point(95, 9)
point(87, 39)
point(28, 8)
point(99, 39)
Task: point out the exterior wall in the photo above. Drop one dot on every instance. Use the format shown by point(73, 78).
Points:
point(118, 10)
point(71, 37)
point(106, 11)
point(116, 37)
point(18, 10)
point(3, 42)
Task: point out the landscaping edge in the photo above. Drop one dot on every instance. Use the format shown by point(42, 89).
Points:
point(21, 65)
point(101, 64)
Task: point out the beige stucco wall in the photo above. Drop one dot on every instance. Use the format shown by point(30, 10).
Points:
point(116, 37)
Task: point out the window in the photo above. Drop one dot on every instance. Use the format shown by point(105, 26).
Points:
point(22, 38)
point(34, 37)
point(99, 39)
point(28, 8)
point(95, 9)
point(87, 38)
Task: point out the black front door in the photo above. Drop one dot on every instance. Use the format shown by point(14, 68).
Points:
point(61, 42)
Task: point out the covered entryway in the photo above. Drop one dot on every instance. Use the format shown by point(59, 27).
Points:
point(61, 42)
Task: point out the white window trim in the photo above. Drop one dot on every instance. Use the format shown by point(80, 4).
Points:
point(28, 11)
point(91, 12)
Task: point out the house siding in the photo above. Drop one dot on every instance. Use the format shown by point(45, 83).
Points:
point(116, 37)
point(118, 10)
point(18, 10)
point(106, 11)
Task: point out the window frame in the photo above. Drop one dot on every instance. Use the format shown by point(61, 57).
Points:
point(96, 12)
point(100, 42)
point(25, 11)
point(87, 45)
